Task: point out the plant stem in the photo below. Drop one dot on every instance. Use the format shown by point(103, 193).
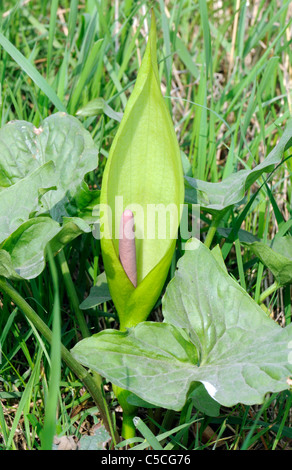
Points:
point(212, 229)
point(269, 291)
point(93, 383)
point(73, 298)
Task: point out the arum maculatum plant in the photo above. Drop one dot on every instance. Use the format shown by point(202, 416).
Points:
point(215, 340)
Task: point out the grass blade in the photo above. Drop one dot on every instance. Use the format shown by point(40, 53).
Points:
point(31, 71)
point(149, 436)
point(48, 431)
point(53, 16)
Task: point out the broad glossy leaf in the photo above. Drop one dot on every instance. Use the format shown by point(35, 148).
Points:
point(42, 173)
point(72, 227)
point(97, 441)
point(243, 353)
point(98, 106)
point(99, 293)
point(26, 247)
point(277, 256)
point(203, 401)
point(243, 235)
point(214, 334)
point(217, 253)
point(216, 197)
point(144, 168)
point(6, 267)
point(23, 254)
point(61, 139)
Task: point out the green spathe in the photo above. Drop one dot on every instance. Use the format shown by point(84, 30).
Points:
point(144, 168)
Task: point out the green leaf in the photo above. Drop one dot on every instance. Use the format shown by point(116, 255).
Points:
point(276, 256)
point(203, 402)
point(31, 71)
point(216, 197)
point(27, 244)
point(144, 168)
point(84, 203)
point(184, 55)
point(42, 174)
point(72, 227)
point(99, 293)
point(98, 106)
point(217, 253)
point(133, 400)
point(6, 267)
point(98, 441)
point(153, 360)
point(215, 334)
point(60, 139)
point(243, 235)
point(17, 202)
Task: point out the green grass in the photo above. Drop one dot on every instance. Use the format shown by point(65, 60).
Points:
point(226, 74)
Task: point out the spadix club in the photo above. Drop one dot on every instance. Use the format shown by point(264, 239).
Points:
point(153, 222)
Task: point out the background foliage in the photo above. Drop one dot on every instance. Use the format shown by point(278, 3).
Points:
point(226, 75)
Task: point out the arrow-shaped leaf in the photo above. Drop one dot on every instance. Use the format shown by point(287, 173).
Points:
point(231, 346)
